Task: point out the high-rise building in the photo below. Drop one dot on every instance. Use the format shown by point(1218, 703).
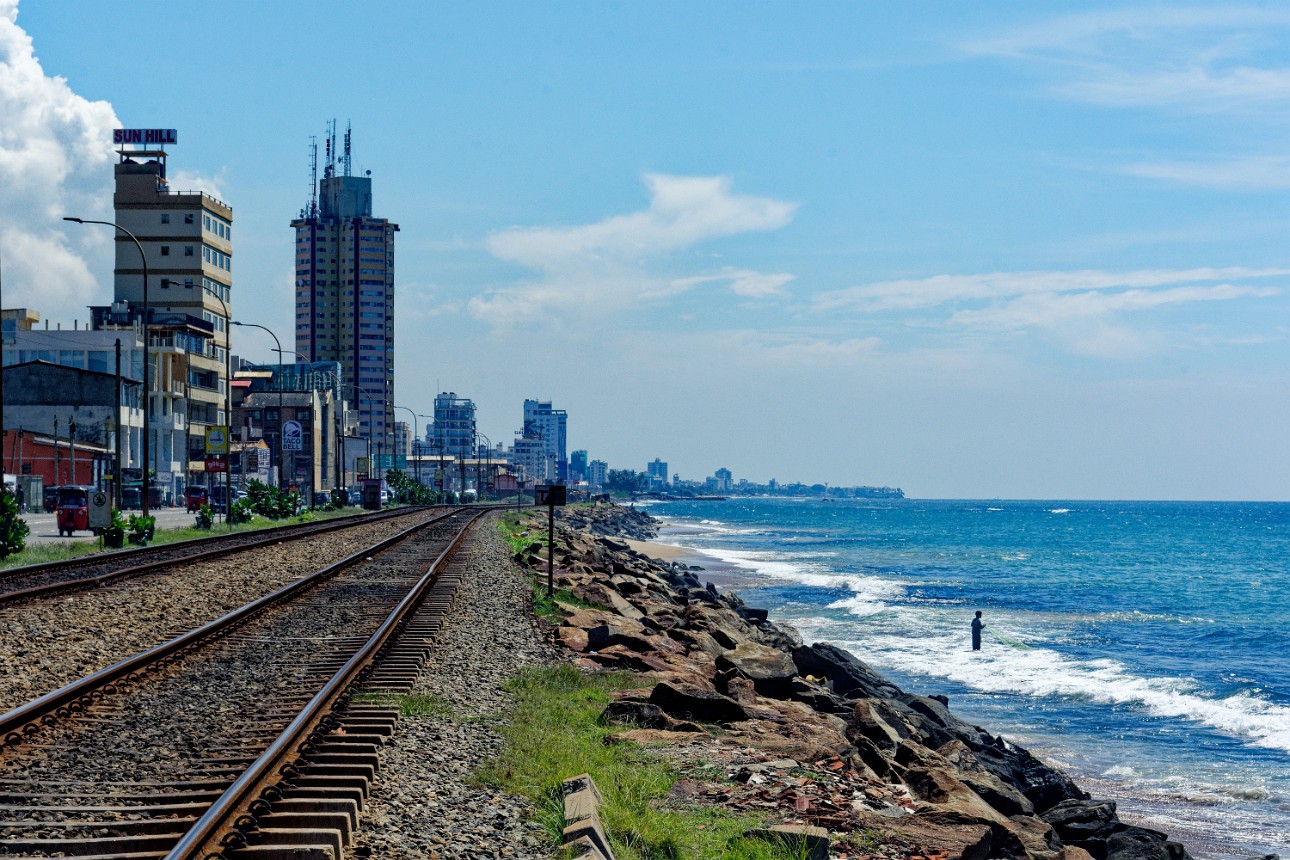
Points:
point(724, 480)
point(597, 474)
point(187, 239)
point(345, 288)
point(577, 467)
point(551, 426)
point(657, 471)
point(453, 431)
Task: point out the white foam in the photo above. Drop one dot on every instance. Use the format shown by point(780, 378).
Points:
point(800, 569)
point(1060, 511)
point(1043, 672)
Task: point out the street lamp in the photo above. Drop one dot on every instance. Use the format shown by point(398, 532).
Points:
point(478, 483)
point(147, 391)
point(416, 436)
point(281, 418)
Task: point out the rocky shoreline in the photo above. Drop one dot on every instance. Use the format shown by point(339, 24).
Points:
point(811, 735)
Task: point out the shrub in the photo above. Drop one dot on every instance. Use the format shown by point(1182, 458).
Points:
point(140, 528)
point(13, 528)
point(271, 502)
point(240, 512)
point(205, 519)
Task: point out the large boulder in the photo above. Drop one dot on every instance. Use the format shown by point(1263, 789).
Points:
point(1139, 843)
point(1045, 786)
point(1082, 820)
point(691, 701)
point(771, 671)
point(849, 677)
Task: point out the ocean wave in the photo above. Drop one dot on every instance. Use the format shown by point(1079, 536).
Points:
point(802, 568)
point(1060, 511)
point(1041, 672)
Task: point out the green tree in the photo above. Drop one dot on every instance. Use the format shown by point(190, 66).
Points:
point(625, 481)
point(13, 528)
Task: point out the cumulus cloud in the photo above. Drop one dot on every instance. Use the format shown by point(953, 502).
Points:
point(609, 265)
point(55, 160)
point(1253, 173)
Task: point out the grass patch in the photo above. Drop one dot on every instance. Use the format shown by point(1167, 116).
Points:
point(554, 734)
point(413, 705)
point(545, 607)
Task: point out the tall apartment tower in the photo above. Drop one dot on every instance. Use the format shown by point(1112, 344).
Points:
point(345, 289)
point(551, 426)
point(453, 431)
point(187, 238)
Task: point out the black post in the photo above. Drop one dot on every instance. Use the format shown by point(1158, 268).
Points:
point(116, 485)
point(550, 550)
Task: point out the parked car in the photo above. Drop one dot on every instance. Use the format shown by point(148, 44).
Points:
point(195, 497)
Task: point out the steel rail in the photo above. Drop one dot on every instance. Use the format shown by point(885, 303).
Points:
point(129, 554)
point(217, 831)
point(25, 720)
point(297, 533)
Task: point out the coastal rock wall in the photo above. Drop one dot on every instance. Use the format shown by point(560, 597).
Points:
point(894, 763)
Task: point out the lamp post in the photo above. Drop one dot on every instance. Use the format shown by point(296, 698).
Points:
point(281, 419)
point(147, 391)
point(415, 435)
point(478, 483)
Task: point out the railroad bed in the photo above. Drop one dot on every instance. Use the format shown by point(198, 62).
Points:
point(160, 756)
point(57, 638)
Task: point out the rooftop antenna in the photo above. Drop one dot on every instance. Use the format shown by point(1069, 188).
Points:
point(312, 211)
point(346, 160)
point(329, 161)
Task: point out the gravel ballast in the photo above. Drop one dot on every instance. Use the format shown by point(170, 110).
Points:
point(423, 804)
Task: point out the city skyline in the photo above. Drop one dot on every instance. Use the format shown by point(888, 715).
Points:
point(1011, 253)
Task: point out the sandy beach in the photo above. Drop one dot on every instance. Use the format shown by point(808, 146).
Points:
point(720, 573)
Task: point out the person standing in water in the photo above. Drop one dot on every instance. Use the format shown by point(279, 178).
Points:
point(977, 624)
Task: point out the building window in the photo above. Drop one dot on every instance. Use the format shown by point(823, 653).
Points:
point(165, 250)
point(188, 283)
point(188, 250)
point(188, 218)
point(165, 217)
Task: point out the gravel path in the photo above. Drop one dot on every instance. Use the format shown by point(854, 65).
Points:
point(52, 642)
point(422, 805)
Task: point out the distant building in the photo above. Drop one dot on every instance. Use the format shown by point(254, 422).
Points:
point(723, 480)
point(577, 467)
point(345, 289)
point(551, 427)
point(402, 439)
point(657, 473)
point(597, 474)
point(453, 431)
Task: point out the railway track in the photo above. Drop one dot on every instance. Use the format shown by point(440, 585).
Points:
point(93, 571)
point(240, 739)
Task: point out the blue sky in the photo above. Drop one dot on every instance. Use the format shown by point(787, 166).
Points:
point(972, 250)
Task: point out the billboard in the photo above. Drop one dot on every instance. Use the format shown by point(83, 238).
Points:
point(144, 136)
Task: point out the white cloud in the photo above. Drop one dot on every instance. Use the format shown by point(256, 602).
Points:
point(187, 180)
point(742, 282)
point(607, 266)
point(1204, 59)
point(55, 160)
point(1086, 312)
point(1261, 173)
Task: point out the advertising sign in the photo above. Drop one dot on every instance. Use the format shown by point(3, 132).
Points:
point(293, 436)
point(216, 464)
point(216, 441)
point(144, 136)
point(550, 495)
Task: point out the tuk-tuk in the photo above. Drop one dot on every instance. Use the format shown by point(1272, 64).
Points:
point(73, 510)
point(131, 499)
point(195, 497)
point(50, 500)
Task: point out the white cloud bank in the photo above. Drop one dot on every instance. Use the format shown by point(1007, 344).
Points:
point(1084, 309)
point(55, 160)
point(606, 266)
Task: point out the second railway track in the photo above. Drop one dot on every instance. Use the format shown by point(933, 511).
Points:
point(167, 754)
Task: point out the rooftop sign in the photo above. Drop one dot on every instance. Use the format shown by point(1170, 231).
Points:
point(144, 136)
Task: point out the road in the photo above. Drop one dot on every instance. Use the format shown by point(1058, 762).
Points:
point(45, 530)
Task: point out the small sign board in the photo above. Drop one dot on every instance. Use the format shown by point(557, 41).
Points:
point(551, 495)
point(216, 464)
point(216, 441)
point(360, 464)
point(100, 510)
point(293, 436)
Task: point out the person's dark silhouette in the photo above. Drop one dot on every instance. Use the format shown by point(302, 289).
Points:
point(977, 624)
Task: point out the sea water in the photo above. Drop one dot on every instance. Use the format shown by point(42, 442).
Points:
point(1144, 647)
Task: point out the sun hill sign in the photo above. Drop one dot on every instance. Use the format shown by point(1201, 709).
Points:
point(144, 136)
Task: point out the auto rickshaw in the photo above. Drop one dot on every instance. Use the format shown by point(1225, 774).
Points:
point(73, 510)
point(50, 500)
